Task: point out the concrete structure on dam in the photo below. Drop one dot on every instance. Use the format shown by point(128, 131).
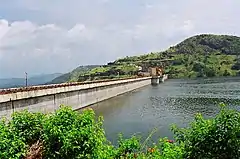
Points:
point(78, 95)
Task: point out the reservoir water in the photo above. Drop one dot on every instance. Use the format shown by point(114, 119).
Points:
point(173, 102)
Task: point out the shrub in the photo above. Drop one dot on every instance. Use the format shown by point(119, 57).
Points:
point(27, 126)
point(171, 150)
point(11, 145)
point(72, 135)
point(64, 134)
point(127, 147)
point(212, 138)
point(68, 134)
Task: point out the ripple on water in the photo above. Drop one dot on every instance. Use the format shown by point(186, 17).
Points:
point(175, 101)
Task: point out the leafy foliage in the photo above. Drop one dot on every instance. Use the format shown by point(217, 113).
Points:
point(11, 145)
point(212, 138)
point(27, 126)
point(72, 135)
point(67, 134)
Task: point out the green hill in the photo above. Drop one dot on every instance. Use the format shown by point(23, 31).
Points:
point(73, 75)
point(208, 44)
point(205, 55)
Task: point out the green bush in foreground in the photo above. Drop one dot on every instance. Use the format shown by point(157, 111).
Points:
point(67, 134)
point(213, 138)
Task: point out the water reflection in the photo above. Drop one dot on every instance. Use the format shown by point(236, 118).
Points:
point(175, 101)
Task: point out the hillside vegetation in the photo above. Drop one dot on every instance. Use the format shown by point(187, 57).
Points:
point(74, 75)
point(203, 55)
point(207, 44)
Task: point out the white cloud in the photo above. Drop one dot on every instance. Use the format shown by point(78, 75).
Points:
point(188, 26)
point(56, 36)
point(30, 47)
point(3, 28)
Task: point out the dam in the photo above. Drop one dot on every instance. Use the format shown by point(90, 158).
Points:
point(48, 98)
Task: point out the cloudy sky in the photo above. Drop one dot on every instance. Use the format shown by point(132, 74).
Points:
point(47, 36)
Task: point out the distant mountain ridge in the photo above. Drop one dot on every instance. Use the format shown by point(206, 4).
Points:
point(73, 75)
point(204, 55)
point(34, 80)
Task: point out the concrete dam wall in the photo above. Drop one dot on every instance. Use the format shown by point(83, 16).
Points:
point(78, 96)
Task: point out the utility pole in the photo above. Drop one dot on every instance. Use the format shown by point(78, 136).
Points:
point(26, 78)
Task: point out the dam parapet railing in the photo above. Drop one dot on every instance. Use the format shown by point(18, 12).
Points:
point(49, 86)
point(17, 93)
point(77, 95)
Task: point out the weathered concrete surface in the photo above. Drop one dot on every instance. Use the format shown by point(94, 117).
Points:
point(77, 96)
point(155, 80)
point(164, 78)
point(158, 79)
